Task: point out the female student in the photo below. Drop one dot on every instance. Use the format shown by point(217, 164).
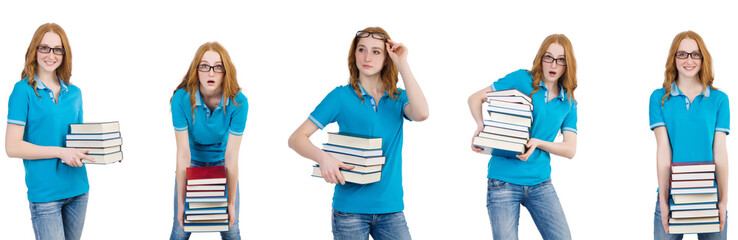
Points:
point(370, 104)
point(40, 109)
point(526, 179)
point(691, 120)
point(209, 117)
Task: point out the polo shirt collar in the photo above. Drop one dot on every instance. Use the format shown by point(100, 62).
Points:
point(42, 86)
point(198, 100)
point(676, 92)
point(364, 93)
point(562, 93)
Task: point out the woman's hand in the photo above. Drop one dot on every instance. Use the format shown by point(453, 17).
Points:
point(476, 133)
point(723, 210)
point(665, 215)
point(180, 213)
point(231, 214)
point(329, 169)
point(397, 52)
point(531, 145)
point(73, 157)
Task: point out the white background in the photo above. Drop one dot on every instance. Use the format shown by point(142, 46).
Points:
point(128, 57)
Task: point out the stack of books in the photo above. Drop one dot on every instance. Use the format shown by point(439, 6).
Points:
point(364, 153)
point(101, 140)
point(508, 128)
point(206, 200)
point(694, 197)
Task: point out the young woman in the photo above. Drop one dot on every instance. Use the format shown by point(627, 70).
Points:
point(40, 109)
point(371, 104)
point(526, 180)
point(209, 117)
point(691, 120)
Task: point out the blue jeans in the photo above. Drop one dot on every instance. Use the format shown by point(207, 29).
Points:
point(60, 219)
point(360, 226)
point(503, 205)
point(659, 233)
point(178, 232)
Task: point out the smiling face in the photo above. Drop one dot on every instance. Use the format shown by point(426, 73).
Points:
point(688, 67)
point(552, 71)
point(370, 56)
point(210, 80)
point(49, 62)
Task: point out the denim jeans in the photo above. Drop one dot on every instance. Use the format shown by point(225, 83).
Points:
point(659, 233)
point(178, 232)
point(60, 219)
point(503, 205)
point(360, 226)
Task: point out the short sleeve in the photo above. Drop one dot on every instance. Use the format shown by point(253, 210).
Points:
point(18, 104)
point(570, 121)
point(238, 119)
point(514, 80)
point(723, 116)
point(404, 101)
point(179, 117)
point(327, 111)
point(655, 110)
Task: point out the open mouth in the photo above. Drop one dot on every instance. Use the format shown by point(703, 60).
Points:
point(689, 68)
point(552, 73)
point(211, 82)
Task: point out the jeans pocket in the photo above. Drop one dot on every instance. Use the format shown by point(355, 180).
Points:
point(341, 214)
point(496, 184)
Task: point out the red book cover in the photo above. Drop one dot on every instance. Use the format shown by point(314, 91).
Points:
point(692, 167)
point(206, 175)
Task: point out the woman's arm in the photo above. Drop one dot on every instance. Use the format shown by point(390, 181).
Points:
point(567, 148)
point(231, 164)
point(329, 166)
point(475, 106)
point(15, 147)
point(183, 161)
point(417, 107)
point(720, 155)
point(663, 172)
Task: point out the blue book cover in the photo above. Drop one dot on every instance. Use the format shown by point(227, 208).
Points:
point(691, 206)
point(218, 210)
point(352, 151)
point(506, 125)
point(681, 191)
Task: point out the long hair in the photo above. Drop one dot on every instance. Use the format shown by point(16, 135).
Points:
point(191, 80)
point(670, 74)
point(64, 71)
point(388, 73)
point(569, 79)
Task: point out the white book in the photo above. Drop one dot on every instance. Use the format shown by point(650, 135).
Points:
point(694, 220)
point(354, 177)
point(94, 143)
point(504, 138)
point(353, 151)
point(105, 158)
point(506, 132)
point(694, 213)
point(206, 217)
point(694, 198)
point(94, 128)
point(694, 228)
point(365, 161)
point(506, 118)
point(102, 136)
point(206, 187)
point(354, 140)
point(692, 176)
point(206, 228)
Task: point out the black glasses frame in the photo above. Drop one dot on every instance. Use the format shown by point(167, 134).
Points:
point(200, 66)
point(553, 59)
point(375, 35)
point(57, 51)
point(692, 55)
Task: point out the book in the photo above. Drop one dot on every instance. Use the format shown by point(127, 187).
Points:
point(94, 128)
point(494, 123)
point(105, 158)
point(189, 211)
point(693, 206)
point(353, 151)
point(205, 194)
point(503, 138)
point(510, 105)
point(695, 198)
point(692, 176)
point(201, 205)
point(353, 177)
point(94, 143)
point(692, 184)
point(206, 228)
point(354, 140)
point(694, 228)
point(694, 213)
point(692, 167)
point(511, 119)
point(693, 190)
point(206, 175)
point(206, 217)
point(498, 147)
point(365, 169)
point(365, 161)
point(103, 136)
point(206, 221)
point(694, 220)
point(513, 99)
point(101, 150)
point(514, 112)
point(508, 93)
point(205, 199)
point(206, 187)
point(506, 132)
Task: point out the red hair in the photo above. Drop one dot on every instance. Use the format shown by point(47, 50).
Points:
point(388, 73)
point(64, 71)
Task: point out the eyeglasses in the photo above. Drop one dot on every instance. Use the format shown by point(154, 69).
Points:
point(47, 49)
point(550, 59)
point(375, 35)
point(206, 68)
point(685, 55)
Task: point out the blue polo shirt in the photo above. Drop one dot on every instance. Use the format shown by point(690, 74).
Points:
point(379, 118)
point(208, 131)
point(691, 125)
point(46, 122)
point(559, 114)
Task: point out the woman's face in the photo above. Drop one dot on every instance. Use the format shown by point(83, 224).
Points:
point(553, 70)
point(50, 61)
point(370, 56)
point(210, 71)
point(689, 66)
